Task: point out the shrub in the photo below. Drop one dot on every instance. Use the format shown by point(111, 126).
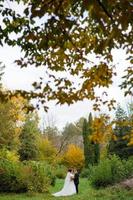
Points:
point(60, 171)
point(86, 172)
point(47, 151)
point(117, 169)
point(101, 174)
point(108, 172)
point(10, 177)
point(128, 167)
point(9, 155)
point(40, 177)
point(30, 176)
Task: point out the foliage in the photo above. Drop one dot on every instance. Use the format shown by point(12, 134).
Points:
point(28, 138)
point(86, 142)
point(71, 134)
point(111, 170)
point(130, 110)
point(51, 133)
point(102, 176)
point(117, 169)
point(85, 27)
point(71, 130)
point(88, 147)
point(7, 131)
point(128, 167)
point(46, 149)
point(27, 177)
point(122, 134)
point(74, 157)
point(86, 172)
point(11, 118)
point(9, 155)
point(10, 177)
point(39, 177)
point(97, 153)
point(102, 134)
point(60, 171)
point(102, 129)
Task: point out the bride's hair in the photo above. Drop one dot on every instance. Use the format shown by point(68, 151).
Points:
point(69, 170)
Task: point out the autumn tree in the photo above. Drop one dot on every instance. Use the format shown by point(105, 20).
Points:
point(101, 136)
point(74, 157)
point(122, 134)
point(47, 151)
point(61, 36)
point(12, 116)
point(130, 114)
point(7, 129)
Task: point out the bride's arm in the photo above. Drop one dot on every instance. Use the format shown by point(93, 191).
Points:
point(71, 177)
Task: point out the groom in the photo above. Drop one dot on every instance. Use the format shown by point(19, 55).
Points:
point(76, 179)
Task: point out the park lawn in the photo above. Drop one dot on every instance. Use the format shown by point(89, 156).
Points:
point(86, 192)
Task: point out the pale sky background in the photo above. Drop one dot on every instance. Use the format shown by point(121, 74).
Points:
point(15, 78)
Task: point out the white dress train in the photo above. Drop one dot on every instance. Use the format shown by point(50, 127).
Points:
point(68, 188)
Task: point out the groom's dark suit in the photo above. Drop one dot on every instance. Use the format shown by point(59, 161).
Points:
point(76, 181)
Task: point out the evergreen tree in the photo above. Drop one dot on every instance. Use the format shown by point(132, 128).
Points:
point(88, 147)
point(28, 139)
point(130, 114)
point(86, 142)
point(122, 130)
point(96, 153)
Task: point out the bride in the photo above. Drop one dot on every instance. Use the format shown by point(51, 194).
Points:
point(69, 187)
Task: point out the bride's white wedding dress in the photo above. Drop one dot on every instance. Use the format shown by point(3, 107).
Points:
point(68, 188)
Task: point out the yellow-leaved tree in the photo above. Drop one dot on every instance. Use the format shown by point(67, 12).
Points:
point(46, 150)
point(74, 157)
point(12, 116)
point(131, 123)
point(131, 139)
point(18, 114)
point(18, 109)
point(102, 133)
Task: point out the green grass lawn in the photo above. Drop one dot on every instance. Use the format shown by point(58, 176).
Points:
point(86, 192)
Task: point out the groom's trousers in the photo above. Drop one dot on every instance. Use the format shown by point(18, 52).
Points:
point(77, 190)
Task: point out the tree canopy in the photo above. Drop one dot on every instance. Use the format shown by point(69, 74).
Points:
point(61, 35)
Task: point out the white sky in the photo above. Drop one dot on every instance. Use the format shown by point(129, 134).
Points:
point(15, 78)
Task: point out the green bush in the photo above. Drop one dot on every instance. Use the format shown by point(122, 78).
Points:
point(117, 169)
point(5, 154)
point(60, 171)
point(30, 176)
point(86, 172)
point(128, 166)
point(101, 174)
point(10, 177)
point(40, 176)
point(111, 170)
